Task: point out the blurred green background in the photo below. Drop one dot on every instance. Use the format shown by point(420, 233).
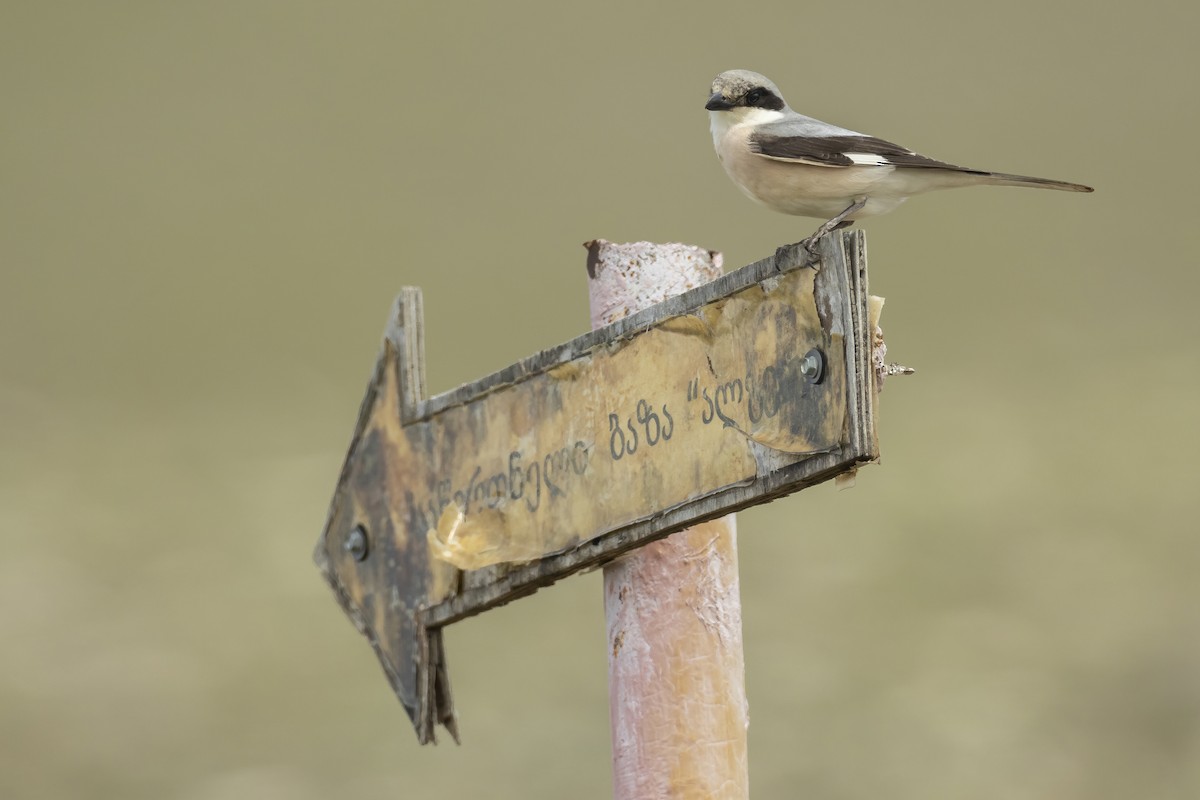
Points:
point(206, 208)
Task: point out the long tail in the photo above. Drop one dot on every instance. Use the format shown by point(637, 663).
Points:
point(1004, 179)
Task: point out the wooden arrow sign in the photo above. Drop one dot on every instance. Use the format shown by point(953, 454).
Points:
point(742, 390)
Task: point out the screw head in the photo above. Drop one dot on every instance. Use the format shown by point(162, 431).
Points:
point(356, 543)
point(812, 366)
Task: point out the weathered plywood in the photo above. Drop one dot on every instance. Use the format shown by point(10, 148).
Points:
point(700, 405)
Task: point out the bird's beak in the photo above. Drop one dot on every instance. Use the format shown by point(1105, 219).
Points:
point(718, 103)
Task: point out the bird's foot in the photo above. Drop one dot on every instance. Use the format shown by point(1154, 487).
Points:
point(812, 242)
point(840, 221)
point(809, 245)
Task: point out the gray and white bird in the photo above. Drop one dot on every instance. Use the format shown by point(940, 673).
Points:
point(799, 165)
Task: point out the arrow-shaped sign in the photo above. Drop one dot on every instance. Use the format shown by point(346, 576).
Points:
point(742, 390)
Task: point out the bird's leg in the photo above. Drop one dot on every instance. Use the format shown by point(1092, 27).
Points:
point(840, 221)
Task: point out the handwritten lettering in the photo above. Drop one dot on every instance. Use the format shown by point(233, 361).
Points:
point(526, 479)
point(655, 426)
point(761, 396)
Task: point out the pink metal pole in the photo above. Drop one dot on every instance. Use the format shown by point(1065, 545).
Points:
point(676, 675)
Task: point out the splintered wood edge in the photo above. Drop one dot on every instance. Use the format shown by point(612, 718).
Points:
point(409, 326)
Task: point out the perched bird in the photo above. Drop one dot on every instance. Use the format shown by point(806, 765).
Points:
point(799, 165)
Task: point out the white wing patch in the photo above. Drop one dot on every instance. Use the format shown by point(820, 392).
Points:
point(868, 159)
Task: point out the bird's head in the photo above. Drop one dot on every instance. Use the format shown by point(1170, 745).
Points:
point(745, 95)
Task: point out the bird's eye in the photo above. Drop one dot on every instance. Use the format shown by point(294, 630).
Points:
point(754, 97)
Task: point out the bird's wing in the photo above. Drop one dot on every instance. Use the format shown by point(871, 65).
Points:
point(781, 142)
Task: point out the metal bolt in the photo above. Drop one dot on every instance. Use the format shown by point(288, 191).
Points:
point(356, 543)
point(812, 366)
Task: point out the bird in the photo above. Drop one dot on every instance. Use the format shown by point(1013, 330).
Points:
point(805, 167)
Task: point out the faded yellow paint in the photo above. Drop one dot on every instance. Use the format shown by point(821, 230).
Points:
point(655, 421)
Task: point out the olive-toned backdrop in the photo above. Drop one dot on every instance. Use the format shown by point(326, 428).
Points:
point(206, 207)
